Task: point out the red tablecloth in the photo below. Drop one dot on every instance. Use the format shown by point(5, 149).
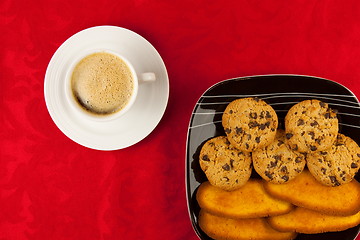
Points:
point(53, 188)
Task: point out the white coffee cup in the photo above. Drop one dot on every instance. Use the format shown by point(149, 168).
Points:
point(98, 81)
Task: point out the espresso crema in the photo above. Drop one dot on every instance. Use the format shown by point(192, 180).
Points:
point(102, 83)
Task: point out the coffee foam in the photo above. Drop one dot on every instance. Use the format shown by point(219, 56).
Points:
point(102, 83)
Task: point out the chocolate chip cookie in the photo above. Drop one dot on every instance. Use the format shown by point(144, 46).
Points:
point(225, 166)
point(277, 163)
point(249, 123)
point(311, 126)
point(336, 165)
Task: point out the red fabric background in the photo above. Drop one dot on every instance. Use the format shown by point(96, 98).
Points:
point(52, 188)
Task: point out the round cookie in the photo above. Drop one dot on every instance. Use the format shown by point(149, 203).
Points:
point(311, 126)
point(225, 166)
point(277, 163)
point(336, 165)
point(249, 123)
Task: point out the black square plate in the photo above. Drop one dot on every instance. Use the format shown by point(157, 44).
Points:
point(281, 92)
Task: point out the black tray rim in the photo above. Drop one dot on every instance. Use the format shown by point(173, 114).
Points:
point(187, 167)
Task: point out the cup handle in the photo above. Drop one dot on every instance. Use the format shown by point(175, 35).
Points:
point(147, 77)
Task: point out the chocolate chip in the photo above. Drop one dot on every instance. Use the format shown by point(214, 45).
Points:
point(253, 115)
point(253, 124)
point(284, 169)
point(267, 124)
point(323, 153)
point(231, 111)
point(257, 139)
point(226, 167)
point(280, 142)
point(272, 129)
point(247, 146)
point(302, 133)
point(262, 126)
point(314, 123)
point(312, 134)
point(227, 130)
point(334, 181)
point(249, 137)
point(327, 115)
point(240, 153)
point(322, 104)
point(285, 178)
point(318, 141)
point(313, 148)
point(320, 160)
point(226, 179)
point(323, 170)
point(277, 157)
point(272, 164)
point(205, 158)
point(300, 122)
point(358, 154)
point(232, 163)
point(238, 130)
point(268, 115)
point(354, 165)
point(212, 144)
point(298, 159)
point(269, 175)
point(295, 147)
point(289, 135)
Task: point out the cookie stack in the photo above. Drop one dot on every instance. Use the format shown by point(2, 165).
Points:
point(312, 129)
point(252, 140)
point(311, 138)
point(250, 124)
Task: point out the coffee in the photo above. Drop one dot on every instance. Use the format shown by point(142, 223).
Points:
point(102, 83)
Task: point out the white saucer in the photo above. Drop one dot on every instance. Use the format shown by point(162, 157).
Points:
point(147, 110)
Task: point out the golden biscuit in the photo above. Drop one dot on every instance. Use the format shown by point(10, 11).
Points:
point(305, 191)
point(249, 201)
point(240, 229)
point(303, 220)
